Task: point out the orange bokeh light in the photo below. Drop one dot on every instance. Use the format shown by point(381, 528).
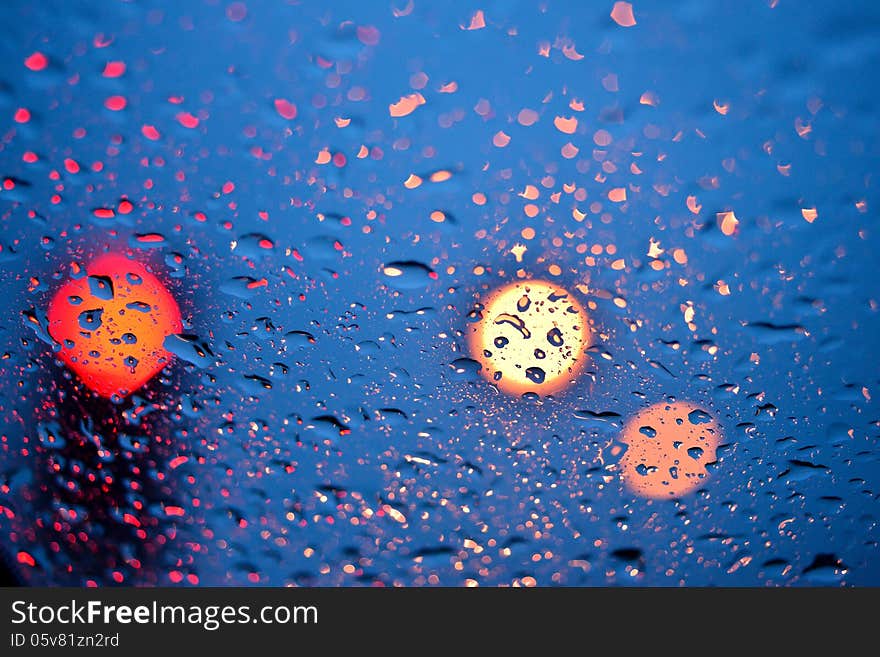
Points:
point(668, 448)
point(111, 324)
point(531, 337)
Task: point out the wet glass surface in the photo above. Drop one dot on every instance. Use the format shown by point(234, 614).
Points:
point(512, 293)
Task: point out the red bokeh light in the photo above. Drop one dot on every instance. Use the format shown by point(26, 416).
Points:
point(112, 324)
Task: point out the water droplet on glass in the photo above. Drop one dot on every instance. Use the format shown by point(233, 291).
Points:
point(90, 320)
point(535, 374)
point(101, 287)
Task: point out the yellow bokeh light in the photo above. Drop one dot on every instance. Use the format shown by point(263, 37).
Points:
point(668, 448)
point(531, 337)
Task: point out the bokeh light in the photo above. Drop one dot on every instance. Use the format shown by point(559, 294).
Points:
point(530, 337)
point(111, 322)
point(669, 446)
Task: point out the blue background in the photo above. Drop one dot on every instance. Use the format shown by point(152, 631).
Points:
point(332, 435)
